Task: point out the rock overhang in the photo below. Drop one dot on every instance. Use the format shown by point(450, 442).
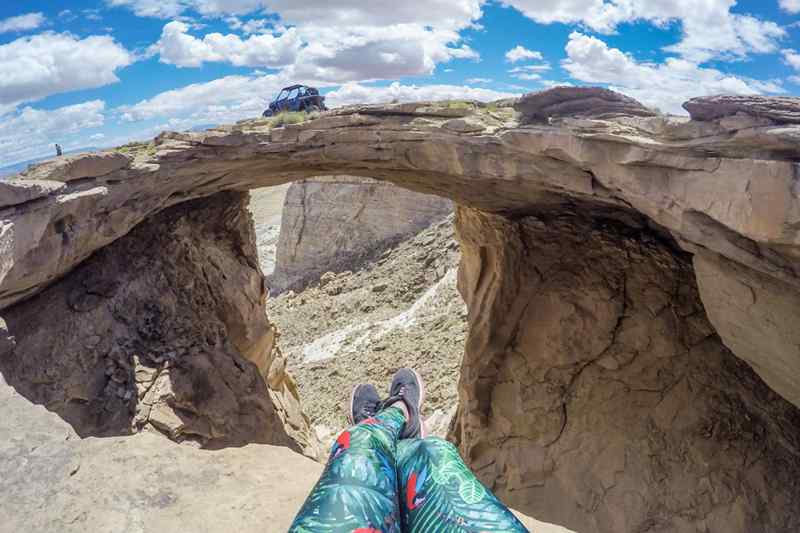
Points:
point(725, 188)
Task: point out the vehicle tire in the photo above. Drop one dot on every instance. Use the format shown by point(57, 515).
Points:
point(267, 113)
point(313, 109)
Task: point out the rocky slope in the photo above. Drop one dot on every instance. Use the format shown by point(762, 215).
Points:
point(604, 260)
point(334, 223)
point(401, 309)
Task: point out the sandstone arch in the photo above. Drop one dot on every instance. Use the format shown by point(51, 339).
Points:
point(663, 193)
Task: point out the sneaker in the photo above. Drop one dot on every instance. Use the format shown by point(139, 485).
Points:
point(408, 387)
point(364, 403)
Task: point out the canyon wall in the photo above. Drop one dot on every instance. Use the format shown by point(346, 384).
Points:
point(336, 223)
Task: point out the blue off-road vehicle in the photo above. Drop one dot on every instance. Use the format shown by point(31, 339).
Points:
point(296, 98)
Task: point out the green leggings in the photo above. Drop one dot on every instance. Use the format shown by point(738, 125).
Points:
point(375, 483)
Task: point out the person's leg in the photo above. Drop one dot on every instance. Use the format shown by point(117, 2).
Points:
point(438, 493)
point(357, 492)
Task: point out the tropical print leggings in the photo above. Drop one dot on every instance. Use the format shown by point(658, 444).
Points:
point(375, 483)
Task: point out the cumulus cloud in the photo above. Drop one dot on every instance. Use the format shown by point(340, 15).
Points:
point(791, 6)
point(520, 53)
point(320, 53)
point(355, 93)
point(177, 47)
point(221, 100)
point(34, 67)
point(710, 30)
point(436, 13)
point(28, 21)
point(31, 133)
point(356, 41)
point(791, 58)
point(529, 72)
point(152, 8)
point(665, 86)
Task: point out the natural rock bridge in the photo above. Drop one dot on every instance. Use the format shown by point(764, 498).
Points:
point(625, 272)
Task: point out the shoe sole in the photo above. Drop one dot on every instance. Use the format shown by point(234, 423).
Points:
point(350, 410)
point(422, 431)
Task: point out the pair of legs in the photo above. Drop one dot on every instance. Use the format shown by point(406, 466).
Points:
point(379, 481)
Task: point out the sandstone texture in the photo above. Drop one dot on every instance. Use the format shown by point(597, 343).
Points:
point(596, 393)
point(163, 330)
point(578, 102)
point(609, 382)
point(331, 224)
point(780, 110)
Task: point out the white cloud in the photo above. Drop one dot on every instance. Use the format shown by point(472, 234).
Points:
point(34, 67)
point(791, 58)
point(792, 6)
point(665, 85)
point(529, 72)
point(177, 47)
point(250, 26)
point(31, 133)
point(520, 53)
point(338, 55)
point(348, 13)
point(354, 93)
point(222, 100)
point(28, 21)
point(320, 54)
point(710, 30)
point(353, 41)
point(478, 80)
point(152, 8)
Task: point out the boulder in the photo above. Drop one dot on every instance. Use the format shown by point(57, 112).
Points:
point(777, 109)
point(578, 102)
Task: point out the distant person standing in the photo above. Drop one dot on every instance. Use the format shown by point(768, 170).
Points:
point(59, 153)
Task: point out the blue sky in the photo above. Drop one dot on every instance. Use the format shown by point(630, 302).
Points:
point(101, 72)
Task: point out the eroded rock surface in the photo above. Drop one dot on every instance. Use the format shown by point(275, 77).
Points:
point(331, 224)
point(578, 102)
point(780, 110)
point(596, 394)
point(165, 329)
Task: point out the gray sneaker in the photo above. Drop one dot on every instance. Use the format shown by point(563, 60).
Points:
point(364, 403)
point(408, 387)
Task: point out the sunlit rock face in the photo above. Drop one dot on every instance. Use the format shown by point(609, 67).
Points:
point(631, 279)
point(596, 394)
point(336, 223)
